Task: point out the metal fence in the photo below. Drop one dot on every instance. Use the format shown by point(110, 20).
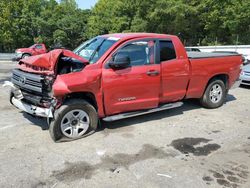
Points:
point(6, 56)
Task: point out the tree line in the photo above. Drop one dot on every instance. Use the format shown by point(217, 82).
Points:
point(196, 22)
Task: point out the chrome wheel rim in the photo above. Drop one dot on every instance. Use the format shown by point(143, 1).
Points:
point(26, 56)
point(75, 123)
point(215, 93)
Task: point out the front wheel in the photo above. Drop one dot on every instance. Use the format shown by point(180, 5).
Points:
point(24, 56)
point(73, 120)
point(215, 94)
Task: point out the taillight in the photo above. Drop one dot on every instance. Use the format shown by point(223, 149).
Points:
point(243, 59)
point(241, 66)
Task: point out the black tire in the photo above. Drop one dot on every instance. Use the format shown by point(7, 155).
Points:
point(25, 56)
point(206, 100)
point(10, 97)
point(72, 104)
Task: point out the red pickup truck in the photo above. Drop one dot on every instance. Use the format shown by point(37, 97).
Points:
point(117, 76)
point(35, 49)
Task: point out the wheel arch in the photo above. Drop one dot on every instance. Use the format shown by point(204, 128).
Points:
point(207, 103)
point(26, 53)
point(88, 96)
point(224, 77)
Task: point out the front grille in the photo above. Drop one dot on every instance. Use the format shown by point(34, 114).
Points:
point(27, 81)
point(245, 81)
point(247, 73)
point(37, 100)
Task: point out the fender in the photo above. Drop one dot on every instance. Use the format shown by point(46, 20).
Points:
point(88, 80)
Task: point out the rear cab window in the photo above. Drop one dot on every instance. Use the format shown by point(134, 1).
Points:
point(167, 50)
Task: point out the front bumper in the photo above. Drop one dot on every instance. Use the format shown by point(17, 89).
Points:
point(31, 109)
point(17, 57)
point(16, 100)
point(245, 79)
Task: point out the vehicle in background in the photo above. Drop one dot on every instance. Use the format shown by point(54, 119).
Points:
point(226, 52)
point(244, 59)
point(35, 49)
point(117, 76)
point(191, 49)
point(245, 75)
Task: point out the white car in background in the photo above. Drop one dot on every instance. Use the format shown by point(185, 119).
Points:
point(245, 75)
point(247, 59)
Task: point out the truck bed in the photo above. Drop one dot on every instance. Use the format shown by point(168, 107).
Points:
point(201, 55)
point(205, 65)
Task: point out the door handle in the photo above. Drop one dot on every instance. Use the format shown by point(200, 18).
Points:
point(153, 73)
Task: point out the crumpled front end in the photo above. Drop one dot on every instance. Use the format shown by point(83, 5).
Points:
point(46, 64)
point(31, 83)
point(19, 101)
point(32, 93)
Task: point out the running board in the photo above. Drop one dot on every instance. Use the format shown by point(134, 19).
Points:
point(138, 113)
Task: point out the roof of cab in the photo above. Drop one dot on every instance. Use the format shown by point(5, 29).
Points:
point(137, 35)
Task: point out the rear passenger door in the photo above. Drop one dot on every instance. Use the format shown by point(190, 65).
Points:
point(174, 72)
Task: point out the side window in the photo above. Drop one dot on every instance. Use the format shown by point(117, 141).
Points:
point(139, 52)
point(38, 47)
point(167, 51)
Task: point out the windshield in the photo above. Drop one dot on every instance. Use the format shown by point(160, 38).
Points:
point(93, 49)
point(32, 46)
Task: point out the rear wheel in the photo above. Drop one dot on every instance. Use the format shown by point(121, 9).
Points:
point(73, 120)
point(215, 94)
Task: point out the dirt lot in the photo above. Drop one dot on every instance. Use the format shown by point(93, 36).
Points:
point(185, 147)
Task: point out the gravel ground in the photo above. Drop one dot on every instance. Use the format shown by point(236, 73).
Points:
point(185, 147)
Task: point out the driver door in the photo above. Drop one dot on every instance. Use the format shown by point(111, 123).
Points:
point(136, 86)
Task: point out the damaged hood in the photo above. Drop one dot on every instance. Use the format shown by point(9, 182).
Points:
point(47, 62)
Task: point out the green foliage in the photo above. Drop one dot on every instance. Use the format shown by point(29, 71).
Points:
point(60, 37)
point(38, 40)
point(194, 21)
point(24, 22)
point(204, 22)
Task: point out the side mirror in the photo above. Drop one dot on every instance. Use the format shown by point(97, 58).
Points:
point(120, 61)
